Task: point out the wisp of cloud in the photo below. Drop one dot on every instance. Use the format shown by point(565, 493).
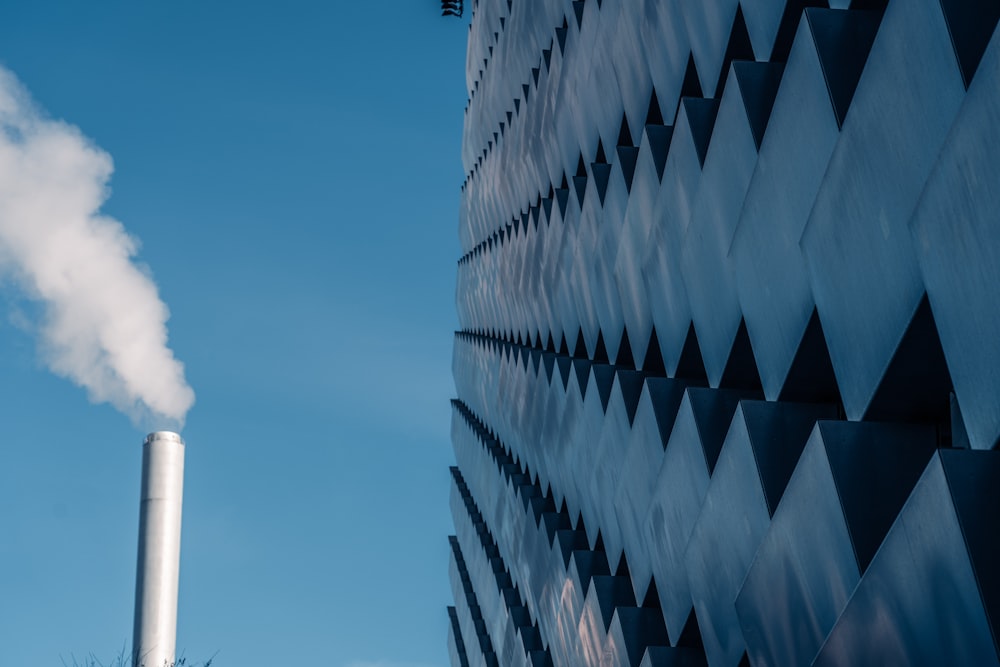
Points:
point(103, 324)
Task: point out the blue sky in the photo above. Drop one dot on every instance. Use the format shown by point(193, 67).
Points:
point(292, 171)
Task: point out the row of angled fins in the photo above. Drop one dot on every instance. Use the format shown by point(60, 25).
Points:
point(665, 523)
point(841, 182)
point(697, 236)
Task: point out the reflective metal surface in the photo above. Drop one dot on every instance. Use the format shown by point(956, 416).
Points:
point(919, 602)
point(728, 289)
point(154, 632)
point(846, 491)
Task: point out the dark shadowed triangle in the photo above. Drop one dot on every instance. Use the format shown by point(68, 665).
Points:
point(622, 569)
point(580, 349)
point(811, 378)
point(602, 172)
point(701, 115)
point(874, 467)
point(548, 362)
point(691, 85)
point(630, 383)
point(628, 153)
point(788, 26)
point(843, 41)
point(659, 144)
point(582, 528)
point(642, 631)
point(652, 599)
point(625, 359)
point(578, 10)
point(582, 368)
point(569, 539)
point(564, 361)
point(654, 115)
point(738, 48)
point(778, 433)
point(691, 366)
point(916, 386)
point(601, 156)
point(691, 634)
point(713, 411)
point(974, 481)
point(657, 134)
point(665, 395)
point(561, 35)
point(600, 350)
point(604, 377)
point(625, 133)
point(554, 522)
point(547, 204)
point(562, 195)
point(565, 365)
point(581, 364)
point(580, 180)
point(590, 564)
point(741, 368)
point(653, 363)
point(758, 84)
point(604, 372)
point(971, 24)
point(599, 546)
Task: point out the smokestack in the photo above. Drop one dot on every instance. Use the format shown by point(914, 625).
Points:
point(155, 631)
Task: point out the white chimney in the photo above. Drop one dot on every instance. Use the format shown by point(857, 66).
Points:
point(154, 634)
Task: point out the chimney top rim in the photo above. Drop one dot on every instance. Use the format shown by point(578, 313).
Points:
point(163, 435)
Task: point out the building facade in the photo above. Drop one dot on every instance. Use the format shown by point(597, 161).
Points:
point(728, 374)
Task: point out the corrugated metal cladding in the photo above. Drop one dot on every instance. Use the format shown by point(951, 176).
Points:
point(728, 371)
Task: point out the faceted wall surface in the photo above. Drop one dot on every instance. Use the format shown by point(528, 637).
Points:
point(728, 373)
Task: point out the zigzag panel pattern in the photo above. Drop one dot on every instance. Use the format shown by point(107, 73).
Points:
point(730, 313)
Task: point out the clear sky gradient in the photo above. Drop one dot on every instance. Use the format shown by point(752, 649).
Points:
point(292, 170)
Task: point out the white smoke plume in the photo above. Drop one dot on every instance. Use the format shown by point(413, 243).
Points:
point(103, 324)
